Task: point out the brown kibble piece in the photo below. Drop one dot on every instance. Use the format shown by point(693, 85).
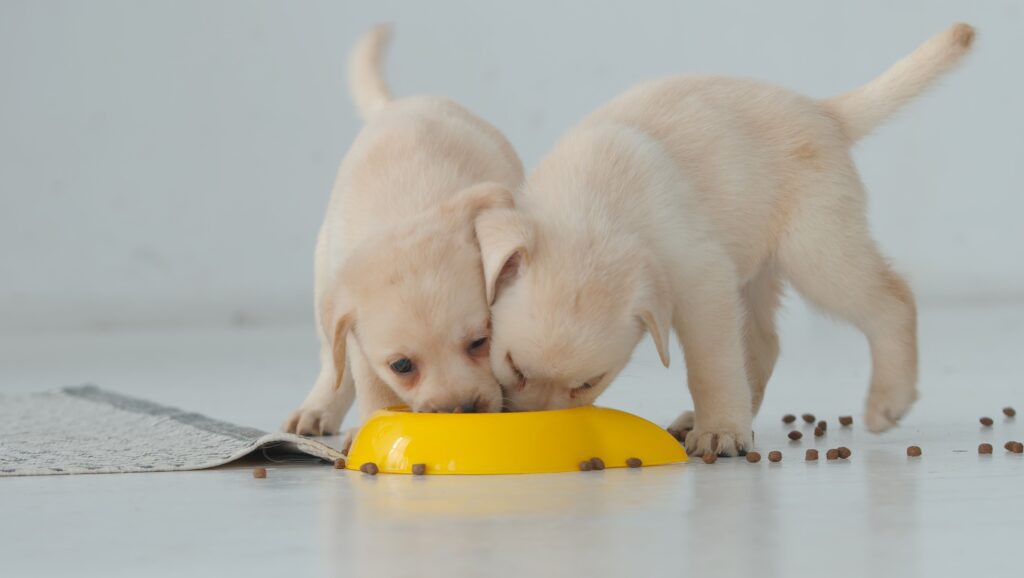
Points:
point(753, 457)
point(775, 456)
point(914, 451)
point(795, 435)
point(597, 463)
point(709, 458)
point(419, 469)
point(832, 454)
point(986, 421)
point(634, 462)
point(811, 455)
point(259, 473)
point(369, 468)
point(1008, 445)
point(818, 432)
point(339, 464)
point(808, 417)
point(844, 452)
point(1009, 411)
point(845, 420)
point(586, 466)
point(985, 449)
point(823, 425)
point(788, 418)
point(1015, 447)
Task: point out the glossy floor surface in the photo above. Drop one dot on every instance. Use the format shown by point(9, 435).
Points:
point(950, 512)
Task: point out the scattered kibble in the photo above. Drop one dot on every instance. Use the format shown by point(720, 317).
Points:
point(586, 466)
point(914, 451)
point(788, 418)
point(259, 473)
point(1015, 447)
point(634, 462)
point(753, 457)
point(597, 463)
point(844, 452)
point(419, 469)
point(1009, 411)
point(986, 421)
point(832, 454)
point(823, 425)
point(369, 468)
point(775, 456)
point(795, 435)
point(709, 458)
point(1009, 445)
point(818, 432)
point(811, 455)
point(985, 449)
point(846, 420)
point(808, 417)
point(339, 464)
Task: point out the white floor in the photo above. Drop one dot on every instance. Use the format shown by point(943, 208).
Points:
point(950, 512)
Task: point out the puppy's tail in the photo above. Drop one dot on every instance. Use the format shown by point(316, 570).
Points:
point(365, 77)
point(863, 109)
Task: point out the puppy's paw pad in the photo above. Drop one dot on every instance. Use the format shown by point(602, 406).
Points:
point(885, 409)
point(721, 442)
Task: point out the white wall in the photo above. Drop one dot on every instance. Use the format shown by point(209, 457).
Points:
point(168, 163)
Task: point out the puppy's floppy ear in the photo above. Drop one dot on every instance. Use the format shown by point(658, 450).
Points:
point(653, 304)
point(337, 317)
point(466, 204)
point(506, 239)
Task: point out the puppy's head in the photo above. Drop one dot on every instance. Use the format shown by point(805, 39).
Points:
point(415, 303)
point(568, 309)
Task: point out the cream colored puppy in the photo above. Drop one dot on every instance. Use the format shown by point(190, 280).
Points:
point(685, 203)
point(399, 287)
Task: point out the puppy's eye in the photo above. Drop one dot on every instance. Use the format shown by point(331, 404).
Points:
point(402, 366)
point(476, 345)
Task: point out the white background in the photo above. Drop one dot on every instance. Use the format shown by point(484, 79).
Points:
point(167, 164)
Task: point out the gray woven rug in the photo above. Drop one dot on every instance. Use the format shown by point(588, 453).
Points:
point(86, 430)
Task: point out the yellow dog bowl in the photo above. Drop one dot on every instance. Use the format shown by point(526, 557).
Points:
point(509, 443)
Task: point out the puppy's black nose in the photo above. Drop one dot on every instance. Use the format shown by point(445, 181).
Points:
point(469, 407)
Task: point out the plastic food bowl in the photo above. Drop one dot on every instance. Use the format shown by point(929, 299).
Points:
point(509, 443)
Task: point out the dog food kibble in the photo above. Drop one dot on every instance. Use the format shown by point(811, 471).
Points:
point(844, 452)
point(369, 468)
point(339, 464)
point(1009, 412)
point(846, 420)
point(586, 466)
point(419, 469)
point(818, 432)
point(808, 417)
point(811, 455)
point(634, 462)
point(1015, 447)
point(832, 454)
point(823, 425)
point(259, 473)
point(597, 463)
point(986, 421)
point(795, 435)
point(788, 418)
point(775, 456)
point(753, 457)
point(985, 449)
point(914, 451)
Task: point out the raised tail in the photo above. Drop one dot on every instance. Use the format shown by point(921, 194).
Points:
point(365, 77)
point(861, 110)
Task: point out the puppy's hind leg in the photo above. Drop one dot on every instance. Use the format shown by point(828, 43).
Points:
point(760, 340)
point(831, 259)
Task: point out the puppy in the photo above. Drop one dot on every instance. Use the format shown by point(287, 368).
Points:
point(685, 203)
point(399, 288)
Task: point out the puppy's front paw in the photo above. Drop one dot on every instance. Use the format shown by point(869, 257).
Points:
point(721, 441)
point(313, 419)
point(886, 407)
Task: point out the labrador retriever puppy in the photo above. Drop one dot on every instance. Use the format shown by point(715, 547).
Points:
point(399, 288)
point(685, 204)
